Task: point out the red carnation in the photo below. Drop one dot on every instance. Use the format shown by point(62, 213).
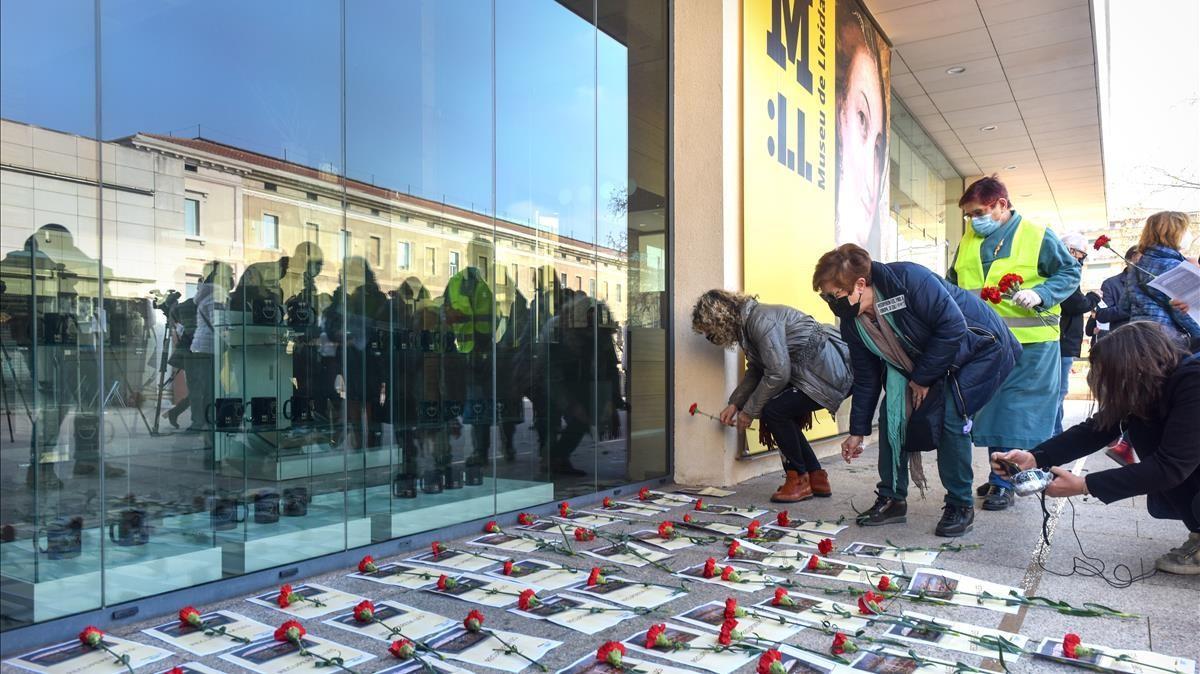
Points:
point(752, 528)
point(781, 598)
point(367, 565)
point(1101, 241)
point(732, 610)
point(564, 509)
point(364, 612)
point(446, 582)
point(286, 596)
point(868, 603)
point(656, 636)
point(607, 502)
point(525, 519)
point(509, 566)
point(437, 548)
point(402, 649)
point(727, 635)
point(815, 562)
point(884, 584)
point(91, 636)
point(595, 578)
point(527, 599)
point(1073, 647)
point(666, 531)
point(687, 517)
point(291, 631)
point(644, 494)
point(699, 504)
point(190, 617)
point(770, 662)
point(692, 410)
point(491, 527)
point(825, 546)
point(782, 519)
point(611, 653)
point(582, 534)
point(710, 567)
point(733, 549)
point(842, 644)
point(474, 621)
point(730, 574)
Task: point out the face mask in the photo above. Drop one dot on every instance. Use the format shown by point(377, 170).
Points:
point(842, 308)
point(984, 225)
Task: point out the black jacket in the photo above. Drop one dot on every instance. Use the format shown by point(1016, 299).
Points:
point(1112, 288)
point(1074, 308)
point(948, 331)
point(1168, 446)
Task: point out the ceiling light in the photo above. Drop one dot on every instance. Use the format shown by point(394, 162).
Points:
point(1023, 196)
point(989, 127)
point(956, 70)
point(1010, 167)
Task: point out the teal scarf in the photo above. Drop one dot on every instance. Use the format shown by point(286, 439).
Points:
point(896, 388)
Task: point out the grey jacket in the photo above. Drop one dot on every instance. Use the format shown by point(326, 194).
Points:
point(783, 347)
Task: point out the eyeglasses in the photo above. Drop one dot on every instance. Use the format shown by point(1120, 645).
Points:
point(1080, 255)
point(831, 297)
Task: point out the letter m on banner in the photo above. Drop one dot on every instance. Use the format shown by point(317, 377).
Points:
point(789, 36)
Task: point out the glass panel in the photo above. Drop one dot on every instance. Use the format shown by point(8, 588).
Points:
point(231, 447)
point(191, 217)
point(632, 338)
point(52, 331)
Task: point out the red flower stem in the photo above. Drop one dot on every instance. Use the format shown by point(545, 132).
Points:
point(510, 649)
point(718, 419)
point(220, 632)
point(395, 631)
point(328, 662)
point(123, 659)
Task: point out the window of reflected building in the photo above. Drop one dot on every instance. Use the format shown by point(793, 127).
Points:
point(212, 363)
point(921, 178)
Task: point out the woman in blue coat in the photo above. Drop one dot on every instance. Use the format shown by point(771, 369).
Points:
point(939, 354)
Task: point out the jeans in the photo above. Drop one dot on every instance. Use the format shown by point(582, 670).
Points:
point(780, 416)
point(1064, 386)
point(953, 461)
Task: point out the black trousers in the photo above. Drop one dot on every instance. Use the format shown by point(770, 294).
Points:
point(782, 416)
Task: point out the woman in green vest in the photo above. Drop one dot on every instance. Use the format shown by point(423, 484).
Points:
point(996, 243)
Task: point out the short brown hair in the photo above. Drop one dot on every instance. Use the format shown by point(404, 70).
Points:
point(1164, 228)
point(1128, 369)
point(985, 192)
point(843, 266)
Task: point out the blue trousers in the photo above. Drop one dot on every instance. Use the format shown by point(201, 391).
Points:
point(1064, 387)
point(953, 461)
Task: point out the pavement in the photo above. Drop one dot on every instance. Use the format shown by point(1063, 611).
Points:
point(1011, 553)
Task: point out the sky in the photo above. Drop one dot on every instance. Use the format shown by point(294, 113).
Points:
point(1149, 58)
point(424, 97)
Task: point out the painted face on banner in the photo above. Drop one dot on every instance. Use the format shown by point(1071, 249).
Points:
point(861, 142)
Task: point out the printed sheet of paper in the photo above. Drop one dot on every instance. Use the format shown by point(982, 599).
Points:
point(1106, 658)
point(632, 593)
point(541, 575)
point(332, 600)
point(651, 538)
point(576, 613)
point(412, 622)
point(588, 665)
point(954, 588)
point(415, 666)
point(72, 657)
point(457, 559)
point(192, 668)
point(544, 526)
point(507, 542)
point(814, 526)
point(873, 551)
point(670, 499)
point(888, 661)
point(641, 508)
point(815, 610)
point(798, 661)
point(847, 572)
point(959, 640)
point(481, 649)
point(708, 492)
point(789, 558)
point(722, 509)
point(749, 581)
point(283, 657)
point(711, 528)
point(764, 625)
point(583, 518)
point(1181, 283)
point(196, 642)
point(718, 662)
point(410, 576)
point(798, 539)
point(628, 554)
point(483, 591)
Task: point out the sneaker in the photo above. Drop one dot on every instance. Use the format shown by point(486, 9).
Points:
point(886, 510)
point(1184, 560)
point(956, 520)
point(998, 498)
point(1121, 452)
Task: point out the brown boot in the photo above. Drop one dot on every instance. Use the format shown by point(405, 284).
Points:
point(795, 489)
point(819, 480)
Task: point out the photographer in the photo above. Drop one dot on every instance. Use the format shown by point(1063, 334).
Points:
point(1148, 386)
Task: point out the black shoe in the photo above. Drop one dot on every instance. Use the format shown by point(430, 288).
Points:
point(886, 510)
point(998, 498)
point(956, 521)
point(983, 489)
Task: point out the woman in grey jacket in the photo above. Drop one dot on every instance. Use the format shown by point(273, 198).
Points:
point(794, 367)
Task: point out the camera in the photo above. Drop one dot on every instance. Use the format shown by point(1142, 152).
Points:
point(1028, 482)
point(165, 303)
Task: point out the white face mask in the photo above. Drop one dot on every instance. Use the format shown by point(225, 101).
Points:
point(1185, 244)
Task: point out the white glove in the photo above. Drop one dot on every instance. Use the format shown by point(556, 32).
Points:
point(1027, 299)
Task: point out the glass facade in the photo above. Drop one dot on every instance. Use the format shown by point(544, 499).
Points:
point(921, 179)
point(282, 279)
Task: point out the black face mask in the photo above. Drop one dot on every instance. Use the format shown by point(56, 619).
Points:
point(842, 308)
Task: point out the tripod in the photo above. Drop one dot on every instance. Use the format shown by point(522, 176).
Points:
point(4, 390)
point(162, 374)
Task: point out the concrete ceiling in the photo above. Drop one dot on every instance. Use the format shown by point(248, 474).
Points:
point(1030, 73)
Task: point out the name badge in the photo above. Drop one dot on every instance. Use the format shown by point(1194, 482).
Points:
point(889, 305)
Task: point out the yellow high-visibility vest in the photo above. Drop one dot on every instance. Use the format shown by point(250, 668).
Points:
point(477, 306)
point(1027, 325)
